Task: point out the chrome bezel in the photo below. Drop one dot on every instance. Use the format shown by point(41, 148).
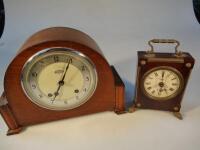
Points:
point(57, 50)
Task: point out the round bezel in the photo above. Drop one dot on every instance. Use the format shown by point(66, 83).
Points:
point(175, 71)
point(54, 51)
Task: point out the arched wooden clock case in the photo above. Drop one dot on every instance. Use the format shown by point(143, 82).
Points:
point(16, 108)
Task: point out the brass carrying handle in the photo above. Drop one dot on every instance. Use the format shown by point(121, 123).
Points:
point(169, 41)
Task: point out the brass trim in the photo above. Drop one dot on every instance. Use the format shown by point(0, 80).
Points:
point(176, 108)
point(178, 115)
point(168, 41)
point(138, 105)
point(188, 65)
point(170, 60)
point(160, 99)
point(143, 62)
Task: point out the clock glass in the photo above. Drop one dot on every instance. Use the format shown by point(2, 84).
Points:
point(162, 83)
point(59, 79)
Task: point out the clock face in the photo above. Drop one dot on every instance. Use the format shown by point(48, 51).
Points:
point(59, 79)
point(162, 83)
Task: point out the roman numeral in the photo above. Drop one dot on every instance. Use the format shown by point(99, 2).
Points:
point(153, 91)
point(149, 88)
point(174, 84)
point(34, 74)
point(56, 58)
point(156, 74)
point(147, 83)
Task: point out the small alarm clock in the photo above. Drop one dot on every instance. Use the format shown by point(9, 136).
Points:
point(162, 78)
point(58, 73)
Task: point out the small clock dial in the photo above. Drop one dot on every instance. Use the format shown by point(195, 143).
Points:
point(59, 79)
point(162, 83)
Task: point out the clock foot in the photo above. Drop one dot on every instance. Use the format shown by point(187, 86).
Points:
point(14, 131)
point(178, 115)
point(119, 112)
point(132, 109)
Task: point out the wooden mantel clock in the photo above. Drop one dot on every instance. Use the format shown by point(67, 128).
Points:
point(58, 73)
point(162, 78)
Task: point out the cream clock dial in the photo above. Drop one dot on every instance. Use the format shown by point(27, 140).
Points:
point(162, 83)
point(59, 79)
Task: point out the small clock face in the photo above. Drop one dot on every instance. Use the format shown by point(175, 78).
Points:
point(162, 83)
point(59, 79)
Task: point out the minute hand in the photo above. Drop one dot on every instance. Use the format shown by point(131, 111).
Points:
point(63, 78)
point(61, 82)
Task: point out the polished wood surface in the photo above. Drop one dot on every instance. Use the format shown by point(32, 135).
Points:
point(107, 96)
point(146, 63)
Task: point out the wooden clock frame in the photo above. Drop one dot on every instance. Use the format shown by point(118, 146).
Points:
point(16, 108)
point(147, 60)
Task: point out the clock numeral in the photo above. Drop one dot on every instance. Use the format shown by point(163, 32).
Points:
point(34, 74)
point(171, 89)
point(83, 68)
point(50, 95)
point(76, 91)
point(147, 83)
point(41, 62)
point(84, 89)
point(40, 96)
point(156, 74)
point(69, 60)
point(150, 77)
point(174, 78)
point(149, 88)
point(33, 86)
point(87, 79)
point(153, 91)
point(174, 84)
point(56, 58)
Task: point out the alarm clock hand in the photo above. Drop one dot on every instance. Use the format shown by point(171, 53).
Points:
point(61, 82)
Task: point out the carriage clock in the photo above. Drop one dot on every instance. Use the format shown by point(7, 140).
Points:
point(162, 78)
point(58, 73)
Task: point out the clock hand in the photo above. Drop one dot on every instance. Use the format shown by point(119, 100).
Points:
point(69, 61)
point(57, 91)
point(163, 73)
point(61, 82)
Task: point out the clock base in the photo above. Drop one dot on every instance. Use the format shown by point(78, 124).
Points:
point(119, 92)
point(14, 127)
point(14, 131)
point(178, 115)
point(134, 107)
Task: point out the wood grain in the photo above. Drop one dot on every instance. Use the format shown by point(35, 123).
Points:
point(104, 98)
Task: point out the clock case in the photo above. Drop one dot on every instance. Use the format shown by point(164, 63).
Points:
point(16, 108)
point(147, 60)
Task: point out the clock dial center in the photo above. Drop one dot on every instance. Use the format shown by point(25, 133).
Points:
point(161, 84)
